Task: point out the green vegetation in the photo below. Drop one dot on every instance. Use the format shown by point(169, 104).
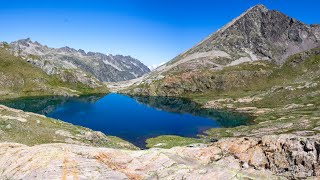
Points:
point(291, 94)
point(294, 73)
point(18, 78)
point(283, 99)
point(31, 129)
point(5, 45)
point(171, 141)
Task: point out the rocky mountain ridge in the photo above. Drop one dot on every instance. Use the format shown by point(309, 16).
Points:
point(268, 34)
point(106, 68)
point(258, 34)
point(19, 78)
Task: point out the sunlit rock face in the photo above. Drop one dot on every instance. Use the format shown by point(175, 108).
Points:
point(268, 157)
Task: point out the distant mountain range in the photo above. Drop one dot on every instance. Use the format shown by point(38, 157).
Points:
point(106, 68)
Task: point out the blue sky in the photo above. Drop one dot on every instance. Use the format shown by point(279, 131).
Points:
point(152, 31)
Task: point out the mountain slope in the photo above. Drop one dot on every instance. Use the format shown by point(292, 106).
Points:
point(106, 68)
point(248, 76)
point(257, 34)
point(19, 78)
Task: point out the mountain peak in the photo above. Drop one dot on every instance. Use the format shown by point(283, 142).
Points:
point(27, 40)
point(253, 10)
point(256, 34)
point(260, 7)
point(67, 49)
point(257, 9)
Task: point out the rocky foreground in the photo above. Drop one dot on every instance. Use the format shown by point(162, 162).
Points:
point(270, 157)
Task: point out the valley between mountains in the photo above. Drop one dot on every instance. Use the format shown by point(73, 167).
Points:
point(263, 64)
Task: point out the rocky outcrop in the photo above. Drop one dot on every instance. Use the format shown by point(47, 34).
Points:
point(269, 157)
point(285, 155)
point(68, 61)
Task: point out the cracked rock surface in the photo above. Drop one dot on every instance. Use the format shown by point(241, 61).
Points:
point(270, 157)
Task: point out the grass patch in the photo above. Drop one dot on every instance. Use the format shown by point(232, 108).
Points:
point(169, 141)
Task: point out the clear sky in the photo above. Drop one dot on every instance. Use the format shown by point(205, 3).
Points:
point(152, 31)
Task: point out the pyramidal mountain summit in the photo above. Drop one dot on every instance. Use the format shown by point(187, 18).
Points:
point(257, 34)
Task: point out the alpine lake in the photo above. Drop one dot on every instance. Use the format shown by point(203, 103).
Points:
point(134, 119)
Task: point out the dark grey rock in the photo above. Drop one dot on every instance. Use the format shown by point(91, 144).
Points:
point(268, 34)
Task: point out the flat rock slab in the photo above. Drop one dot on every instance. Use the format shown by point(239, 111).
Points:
point(231, 158)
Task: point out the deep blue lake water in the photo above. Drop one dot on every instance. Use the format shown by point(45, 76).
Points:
point(131, 118)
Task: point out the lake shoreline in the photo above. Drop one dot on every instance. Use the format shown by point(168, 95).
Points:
point(167, 110)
